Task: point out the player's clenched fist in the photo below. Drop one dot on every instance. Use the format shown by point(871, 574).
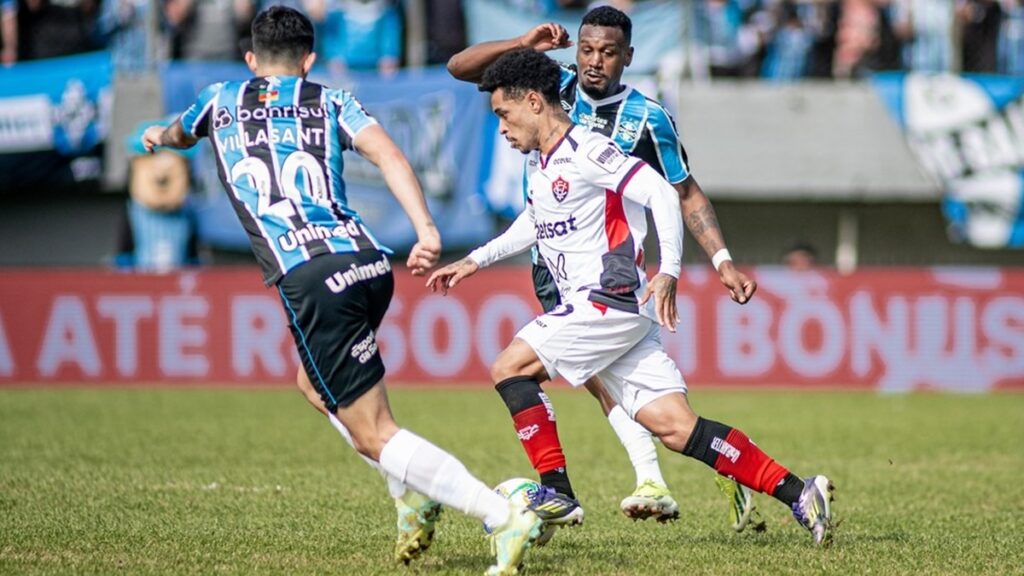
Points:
point(546, 37)
point(451, 275)
point(740, 287)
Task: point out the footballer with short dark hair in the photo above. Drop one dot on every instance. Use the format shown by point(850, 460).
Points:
point(592, 93)
point(279, 140)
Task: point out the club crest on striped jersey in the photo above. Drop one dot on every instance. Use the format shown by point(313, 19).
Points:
point(560, 188)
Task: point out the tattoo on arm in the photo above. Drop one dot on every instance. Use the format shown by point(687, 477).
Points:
point(703, 224)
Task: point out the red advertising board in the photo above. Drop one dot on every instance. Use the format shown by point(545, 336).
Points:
point(887, 329)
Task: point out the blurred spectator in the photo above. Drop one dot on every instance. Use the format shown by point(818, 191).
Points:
point(856, 36)
point(446, 30)
point(980, 23)
point(299, 5)
point(730, 40)
point(889, 55)
point(800, 256)
point(50, 28)
point(543, 7)
point(8, 32)
point(927, 28)
point(362, 35)
point(124, 25)
point(865, 39)
point(823, 22)
point(159, 232)
point(314, 9)
point(208, 29)
point(1011, 39)
point(790, 45)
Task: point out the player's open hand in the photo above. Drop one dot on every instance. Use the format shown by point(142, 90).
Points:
point(549, 36)
point(451, 275)
point(426, 252)
point(152, 137)
point(741, 288)
point(663, 288)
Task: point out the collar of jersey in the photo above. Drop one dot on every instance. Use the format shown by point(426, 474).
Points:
point(545, 157)
point(609, 100)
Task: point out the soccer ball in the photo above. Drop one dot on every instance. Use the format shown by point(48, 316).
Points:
point(519, 491)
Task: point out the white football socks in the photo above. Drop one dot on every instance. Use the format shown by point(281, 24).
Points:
point(639, 444)
point(395, 486)
point(430, 470)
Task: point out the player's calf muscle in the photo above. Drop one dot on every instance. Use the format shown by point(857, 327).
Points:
point(370, 422)
point(670, 419)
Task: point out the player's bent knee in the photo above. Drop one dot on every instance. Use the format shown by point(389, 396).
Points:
point(518, 359)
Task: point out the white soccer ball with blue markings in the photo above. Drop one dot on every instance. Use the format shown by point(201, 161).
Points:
point(519, 491)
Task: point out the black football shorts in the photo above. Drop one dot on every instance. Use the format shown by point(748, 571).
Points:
point(334, 304)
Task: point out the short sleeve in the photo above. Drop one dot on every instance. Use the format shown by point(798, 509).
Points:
point(196, 118)
point(602, 163)
point(352, 117)
point(670, 151)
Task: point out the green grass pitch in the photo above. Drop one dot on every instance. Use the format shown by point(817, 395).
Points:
point(238, 481)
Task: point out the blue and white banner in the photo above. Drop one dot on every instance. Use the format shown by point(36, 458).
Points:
point(438, 123)
point(968, 132)
point(53, 118)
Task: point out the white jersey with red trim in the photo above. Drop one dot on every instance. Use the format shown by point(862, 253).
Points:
point(586, 201)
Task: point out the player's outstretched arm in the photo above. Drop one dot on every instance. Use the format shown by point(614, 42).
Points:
point(172, 136)
point(469, 65)
point(699, 216)
point(517, 238)
point(374, 144)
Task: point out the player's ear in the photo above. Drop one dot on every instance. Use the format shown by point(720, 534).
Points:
point(535, 100)
point(250, 61)
point(307, 63)
point(629, 56)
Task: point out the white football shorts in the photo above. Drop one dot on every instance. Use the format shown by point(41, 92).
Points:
point(577, 340)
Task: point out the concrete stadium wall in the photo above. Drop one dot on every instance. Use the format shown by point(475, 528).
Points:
point(825, 141)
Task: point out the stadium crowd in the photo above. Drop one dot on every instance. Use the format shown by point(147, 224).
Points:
point(779, 40)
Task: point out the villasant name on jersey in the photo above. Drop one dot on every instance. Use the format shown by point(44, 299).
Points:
point(306, 136)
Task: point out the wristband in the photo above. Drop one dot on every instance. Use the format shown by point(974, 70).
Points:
point(719, 257)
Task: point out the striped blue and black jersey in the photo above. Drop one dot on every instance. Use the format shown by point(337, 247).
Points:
point(279, 143)
point(640, 126)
